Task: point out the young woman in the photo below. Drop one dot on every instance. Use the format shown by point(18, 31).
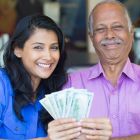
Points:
point(34, 66)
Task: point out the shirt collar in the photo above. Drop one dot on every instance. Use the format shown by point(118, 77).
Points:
point(96, 71)
point(128, 70)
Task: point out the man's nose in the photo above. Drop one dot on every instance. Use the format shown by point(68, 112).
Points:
point(110, 33)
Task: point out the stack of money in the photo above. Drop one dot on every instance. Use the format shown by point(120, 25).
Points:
point(74, 103)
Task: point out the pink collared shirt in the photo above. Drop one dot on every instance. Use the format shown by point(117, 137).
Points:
point(121, 103)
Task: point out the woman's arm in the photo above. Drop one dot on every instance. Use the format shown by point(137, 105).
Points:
point(41, 138)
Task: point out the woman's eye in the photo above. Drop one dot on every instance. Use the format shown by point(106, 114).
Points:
point(38, 47)
point(55, 47)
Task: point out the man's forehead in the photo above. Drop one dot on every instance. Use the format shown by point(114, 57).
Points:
point(100, 8)
point(109, 12)
point(109, 15)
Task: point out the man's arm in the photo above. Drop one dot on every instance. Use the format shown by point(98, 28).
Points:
point(134, 137)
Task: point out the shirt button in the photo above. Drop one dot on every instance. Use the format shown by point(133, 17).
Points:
point(115, 92)
point(16, 129)
point(114, 116)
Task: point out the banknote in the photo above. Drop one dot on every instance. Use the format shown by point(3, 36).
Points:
point(80, 105)
point(71, 102)
point(48, 106)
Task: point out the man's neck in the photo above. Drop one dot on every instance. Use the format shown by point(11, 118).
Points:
point(113, 71)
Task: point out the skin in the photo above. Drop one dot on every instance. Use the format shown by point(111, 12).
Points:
point(86, 129)
point(40, 55)
point(99, 128)
point(114, 26)
point(64, 129)
point(109, 23)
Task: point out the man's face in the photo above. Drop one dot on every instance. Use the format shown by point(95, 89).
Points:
point(111, 36)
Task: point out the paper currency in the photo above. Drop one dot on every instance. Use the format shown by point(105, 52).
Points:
point(71, 102)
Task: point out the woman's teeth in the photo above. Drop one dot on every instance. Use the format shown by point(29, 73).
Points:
point(44, 65)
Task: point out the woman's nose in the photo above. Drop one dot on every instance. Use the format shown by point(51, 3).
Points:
point(47, 54)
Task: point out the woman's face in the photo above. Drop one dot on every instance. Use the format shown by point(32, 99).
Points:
point(40, 54)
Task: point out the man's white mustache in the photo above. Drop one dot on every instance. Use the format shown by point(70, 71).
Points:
point(106, 42)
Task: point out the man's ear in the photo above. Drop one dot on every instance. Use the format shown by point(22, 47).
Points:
point(132, 32)
point(90, 35)
point(18, 52)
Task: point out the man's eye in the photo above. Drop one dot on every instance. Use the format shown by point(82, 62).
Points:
point(100, 30)
point(118, 28)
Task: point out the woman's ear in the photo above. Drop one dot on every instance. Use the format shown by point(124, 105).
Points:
point(18, 52)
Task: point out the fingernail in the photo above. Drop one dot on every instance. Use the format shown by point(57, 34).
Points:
point(81, 120)
point(73, 119)
point(79, 123)
point(79, 133)
point(79, 128)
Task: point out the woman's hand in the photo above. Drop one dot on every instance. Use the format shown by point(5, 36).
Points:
point(99, 128)
point(64, 129)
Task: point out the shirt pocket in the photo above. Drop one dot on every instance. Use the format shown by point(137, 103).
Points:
point(14, 128)
point(134, 122)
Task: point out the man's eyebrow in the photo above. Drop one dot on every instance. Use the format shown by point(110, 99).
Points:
point(99, 25)
point(116, 22)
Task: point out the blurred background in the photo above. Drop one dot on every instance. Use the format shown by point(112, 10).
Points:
point(72, 17)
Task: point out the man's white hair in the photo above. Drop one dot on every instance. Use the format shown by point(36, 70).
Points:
point(91, 22)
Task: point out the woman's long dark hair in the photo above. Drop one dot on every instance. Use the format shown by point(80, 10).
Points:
point(19, 77)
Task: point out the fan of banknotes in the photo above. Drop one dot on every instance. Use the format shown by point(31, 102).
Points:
point(69, 102)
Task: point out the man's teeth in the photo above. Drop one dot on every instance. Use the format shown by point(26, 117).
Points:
point(44, 65)
point(111, 44)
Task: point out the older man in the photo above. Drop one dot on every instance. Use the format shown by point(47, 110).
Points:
point(115, 81)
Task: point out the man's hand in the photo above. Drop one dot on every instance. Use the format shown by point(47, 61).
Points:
point(97, 129)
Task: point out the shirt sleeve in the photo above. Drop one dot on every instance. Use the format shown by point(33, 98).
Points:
point(68, 83)
point(2, 92)
point(2, 103)
point(75, 80)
